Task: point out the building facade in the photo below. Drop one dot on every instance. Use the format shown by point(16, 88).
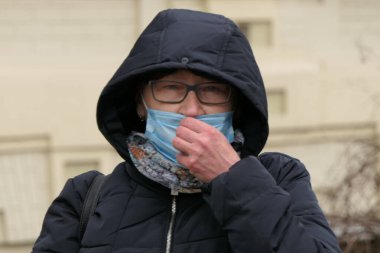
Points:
point(320, 60)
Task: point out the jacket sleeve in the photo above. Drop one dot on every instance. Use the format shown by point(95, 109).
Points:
point(60, 228)
point(270, 208)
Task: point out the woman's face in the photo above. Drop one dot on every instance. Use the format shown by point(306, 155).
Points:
point(190, 106)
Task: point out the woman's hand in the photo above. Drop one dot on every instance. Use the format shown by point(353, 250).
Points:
point(204, 150)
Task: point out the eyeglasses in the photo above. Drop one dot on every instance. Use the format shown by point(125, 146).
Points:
point(173, 92)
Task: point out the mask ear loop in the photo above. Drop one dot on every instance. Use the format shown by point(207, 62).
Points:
point(142, 119)
point(143, 100)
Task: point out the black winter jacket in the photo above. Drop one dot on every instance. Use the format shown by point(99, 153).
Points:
point(263, 204)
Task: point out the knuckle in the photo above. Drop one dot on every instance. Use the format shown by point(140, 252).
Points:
point(191, 162)
point(214, 131)
point(205, 141)
point(197, 151)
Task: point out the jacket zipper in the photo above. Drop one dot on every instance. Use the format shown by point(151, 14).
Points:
point(172, 217)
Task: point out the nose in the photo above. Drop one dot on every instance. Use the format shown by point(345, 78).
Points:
point(191, 106)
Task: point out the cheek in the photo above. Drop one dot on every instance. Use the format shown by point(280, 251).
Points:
point(229, 107)
point(218, 108)
point(165, 107)
point(148, 98)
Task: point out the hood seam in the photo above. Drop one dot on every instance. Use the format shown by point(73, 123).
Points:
point(224, 48)
point(161, 38)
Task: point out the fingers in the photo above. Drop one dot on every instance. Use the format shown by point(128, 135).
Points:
point(190, 130)
point(204, 150)
point(186, 134)
point(193, 135)
point(194, 124)
point(182, 145)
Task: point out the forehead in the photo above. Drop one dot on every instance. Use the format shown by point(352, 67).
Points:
point(185, 76)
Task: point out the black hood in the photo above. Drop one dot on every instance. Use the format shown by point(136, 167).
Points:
point(207, 44)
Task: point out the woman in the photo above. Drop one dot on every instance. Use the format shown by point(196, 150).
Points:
point(187, 111)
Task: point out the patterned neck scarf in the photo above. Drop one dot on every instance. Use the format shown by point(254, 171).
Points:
point(154, 166)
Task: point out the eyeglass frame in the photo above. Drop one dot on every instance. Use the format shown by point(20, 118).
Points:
point(189, 87)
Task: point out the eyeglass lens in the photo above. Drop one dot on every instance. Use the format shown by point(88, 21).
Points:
point(175, 92)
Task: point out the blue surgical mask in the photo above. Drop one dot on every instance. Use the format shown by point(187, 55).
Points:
point(161, 129)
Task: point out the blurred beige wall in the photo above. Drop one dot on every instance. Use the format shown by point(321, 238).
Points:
point(320, 60)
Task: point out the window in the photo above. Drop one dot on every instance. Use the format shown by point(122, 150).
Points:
point(74, 168)
point(276, 101)
point(258, 32)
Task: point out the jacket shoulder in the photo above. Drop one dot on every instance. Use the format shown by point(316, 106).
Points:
point(285, 169)
point(81, 183)
point(60, 229)
point(117, 182)
point(61, 222)
point(75, 190)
